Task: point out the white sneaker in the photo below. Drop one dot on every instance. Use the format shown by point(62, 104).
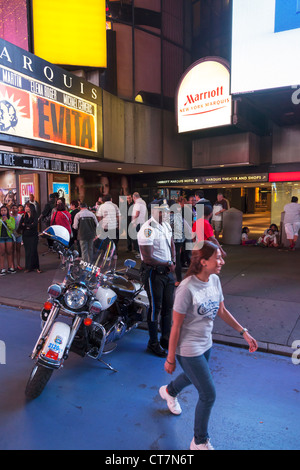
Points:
point(206, 446)
point(172, 402)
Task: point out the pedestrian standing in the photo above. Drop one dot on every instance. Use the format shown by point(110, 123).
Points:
point(33, 201)
point(108, 216)
point(18, 237)
point(7, 227)
point(74, 206)
point(85, 223)
point(61, 216)
point(158, 264)
point(21, 209)
point(292, 221)
point(139, 213)
point(45, 216)
point(219, 207)
point(199, 299)
point(28, 226)
point(177, 223)
point(202, 229)
point(200, 200)
point(130, 205)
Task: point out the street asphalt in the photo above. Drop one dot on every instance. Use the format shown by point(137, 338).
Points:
point(260, 285)
point(86, 406)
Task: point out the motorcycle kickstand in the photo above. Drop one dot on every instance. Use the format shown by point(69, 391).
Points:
point(108, 365)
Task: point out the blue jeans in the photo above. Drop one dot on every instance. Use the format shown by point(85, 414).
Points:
point(86, 247)
point(196, 371)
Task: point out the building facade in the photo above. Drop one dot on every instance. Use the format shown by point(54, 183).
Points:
point(131, 139)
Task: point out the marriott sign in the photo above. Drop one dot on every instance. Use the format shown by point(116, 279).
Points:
point(203, 96)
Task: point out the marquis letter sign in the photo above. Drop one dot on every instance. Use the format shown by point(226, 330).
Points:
point(44, 103)
point(203, 96)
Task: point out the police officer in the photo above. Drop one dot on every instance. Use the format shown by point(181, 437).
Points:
point(158, 256)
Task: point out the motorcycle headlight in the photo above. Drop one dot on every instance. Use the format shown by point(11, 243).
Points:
point(75, 298)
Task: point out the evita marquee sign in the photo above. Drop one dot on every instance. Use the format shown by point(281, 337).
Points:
point(51, 107)
point(30, 162)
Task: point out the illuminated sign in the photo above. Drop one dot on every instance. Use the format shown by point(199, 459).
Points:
point(203, 97)
point(229, 179)
point(181, 181)
point(265, 44)
point(43, 103)
point(287, 15)
point(70, 32)
point(232, 179)
point(284, 176)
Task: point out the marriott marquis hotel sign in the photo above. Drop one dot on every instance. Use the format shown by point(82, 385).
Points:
point(203, 96)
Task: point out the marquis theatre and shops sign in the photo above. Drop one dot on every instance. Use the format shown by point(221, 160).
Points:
point(203, 96)
point(44, 106)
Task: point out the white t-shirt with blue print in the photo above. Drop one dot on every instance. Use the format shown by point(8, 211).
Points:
point(199, 301)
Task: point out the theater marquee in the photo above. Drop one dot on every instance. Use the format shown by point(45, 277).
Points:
point(203, 96)
point(47, 105)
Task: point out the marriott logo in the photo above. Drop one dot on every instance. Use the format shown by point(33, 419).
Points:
point(217, 92)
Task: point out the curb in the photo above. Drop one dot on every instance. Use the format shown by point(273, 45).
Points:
point(21, 304)
point(265, 347)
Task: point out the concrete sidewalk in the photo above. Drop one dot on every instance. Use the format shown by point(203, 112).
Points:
point(261, 289)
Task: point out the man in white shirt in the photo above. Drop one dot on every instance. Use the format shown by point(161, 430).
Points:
point(108, 215)
point(139, 215)
point(292, 221)
point(219, 207)
point(158, 263)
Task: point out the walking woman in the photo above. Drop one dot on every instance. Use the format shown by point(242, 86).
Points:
point(7, 226)
point(199, 299)
point(29, 228)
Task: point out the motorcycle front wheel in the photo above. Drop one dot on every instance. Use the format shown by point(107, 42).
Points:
point(38, 380)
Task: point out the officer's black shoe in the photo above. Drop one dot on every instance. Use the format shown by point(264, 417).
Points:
point(164, 343)
point(156, 349)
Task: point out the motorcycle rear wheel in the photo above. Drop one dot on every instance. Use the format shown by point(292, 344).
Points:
point(38, 380)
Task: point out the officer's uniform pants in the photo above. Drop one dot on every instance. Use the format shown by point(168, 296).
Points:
point(160, 290)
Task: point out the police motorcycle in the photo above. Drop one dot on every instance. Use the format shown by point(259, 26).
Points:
point(86, 313)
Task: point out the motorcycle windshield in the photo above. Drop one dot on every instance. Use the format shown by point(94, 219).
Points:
point(103, 260)
point(104, 255)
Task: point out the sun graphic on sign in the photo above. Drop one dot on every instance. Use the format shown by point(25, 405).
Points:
point(11, 108)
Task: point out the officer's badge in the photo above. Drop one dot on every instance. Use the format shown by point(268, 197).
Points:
point(147, 232)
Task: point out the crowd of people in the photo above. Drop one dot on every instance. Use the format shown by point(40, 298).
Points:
point(19, 226)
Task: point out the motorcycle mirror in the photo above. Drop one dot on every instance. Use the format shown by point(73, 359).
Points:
point(129, 263)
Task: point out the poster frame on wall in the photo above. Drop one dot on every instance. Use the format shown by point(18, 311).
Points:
point(31, 184)
point(61, 184)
